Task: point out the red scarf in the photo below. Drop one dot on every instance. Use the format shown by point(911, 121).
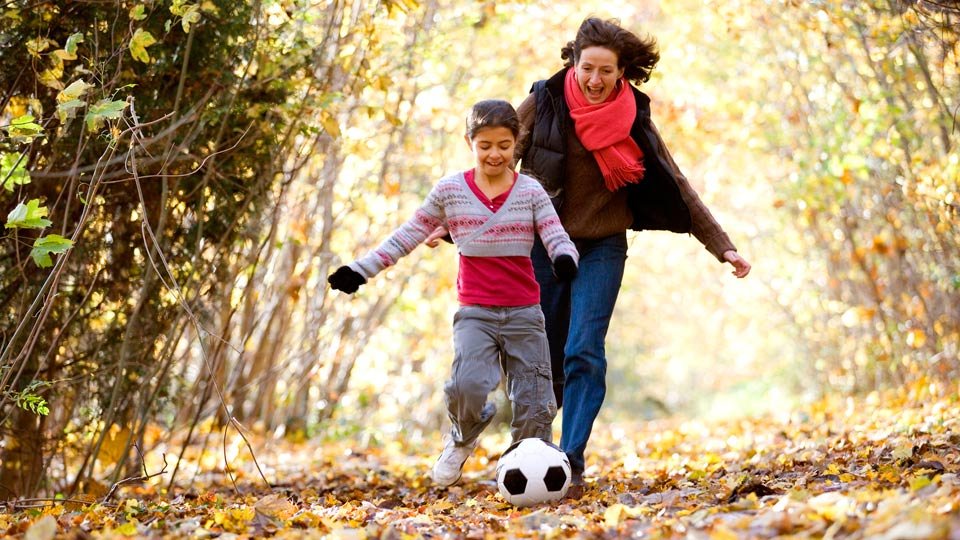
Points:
point(604, 129)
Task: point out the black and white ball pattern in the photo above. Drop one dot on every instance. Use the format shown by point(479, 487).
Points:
point(533, 471)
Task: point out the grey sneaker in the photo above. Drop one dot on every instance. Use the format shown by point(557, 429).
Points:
point(449, 466)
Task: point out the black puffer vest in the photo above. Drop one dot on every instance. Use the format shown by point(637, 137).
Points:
point(655, 202)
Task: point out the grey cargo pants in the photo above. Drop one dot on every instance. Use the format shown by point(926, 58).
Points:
point(487, 340)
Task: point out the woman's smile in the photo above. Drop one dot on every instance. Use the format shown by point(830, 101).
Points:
point(597, 73)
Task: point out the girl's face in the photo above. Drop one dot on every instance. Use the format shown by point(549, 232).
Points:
point(597, 73)
point(493, 149)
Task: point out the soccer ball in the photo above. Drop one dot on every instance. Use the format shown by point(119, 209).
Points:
point(533, 471)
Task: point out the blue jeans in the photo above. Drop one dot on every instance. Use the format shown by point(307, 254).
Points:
point(577, 317)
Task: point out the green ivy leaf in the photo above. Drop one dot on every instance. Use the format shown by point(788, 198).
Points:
point(189, 13)
point(44, 246)
point(192, 16)
point(69, 99)
point(76, 90)
point(137, 13)
point(28, 216)
point(69, 51)
point(38, 45)
point(68, 109)
point(138, 45)
point(71, 46)
point(102, 110)
point(23, 128)
point(13, 171)
point(179, 7)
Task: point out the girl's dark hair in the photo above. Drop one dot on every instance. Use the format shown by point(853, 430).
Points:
point(637, 57)
point(492, 113)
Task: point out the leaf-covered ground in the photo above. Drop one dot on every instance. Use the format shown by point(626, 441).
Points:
point(884, 466)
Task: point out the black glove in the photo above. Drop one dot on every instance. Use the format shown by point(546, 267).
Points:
point(346, 279)
point(565, 268)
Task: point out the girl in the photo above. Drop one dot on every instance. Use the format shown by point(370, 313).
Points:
point(492, 214)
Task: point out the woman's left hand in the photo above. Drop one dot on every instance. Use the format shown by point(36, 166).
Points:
point(740, 265)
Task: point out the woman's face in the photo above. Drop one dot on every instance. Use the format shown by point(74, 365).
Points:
point(493, 149)
point(597, 73)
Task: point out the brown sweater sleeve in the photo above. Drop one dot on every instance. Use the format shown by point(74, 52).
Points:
point(703, 225)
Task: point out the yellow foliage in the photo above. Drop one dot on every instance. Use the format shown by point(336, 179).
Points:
point(235, 520)
point(276, 507)
point(330, 124)
point(115, 445)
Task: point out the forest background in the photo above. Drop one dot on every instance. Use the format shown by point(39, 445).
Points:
point(179, 177)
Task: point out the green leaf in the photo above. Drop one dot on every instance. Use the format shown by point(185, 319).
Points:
point(28, 216)
point(69, 99)
point(71, 46)
point(24, 128)
point(128, 529)
point(28, 399)
point(137, 13)
point(38, 45)
point(192, 16)
point(179, 7)
point(104, 110)
point(33, 403)
point(190, 13)
point(44, 246)
point(76, 90)
point(69, 51)
point(138, 45)
point(13, 171)
point(68, 109)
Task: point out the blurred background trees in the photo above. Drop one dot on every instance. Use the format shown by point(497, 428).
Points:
point(179, 178)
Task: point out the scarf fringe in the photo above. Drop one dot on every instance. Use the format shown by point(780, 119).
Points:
point(621, 176)
point(604, 129)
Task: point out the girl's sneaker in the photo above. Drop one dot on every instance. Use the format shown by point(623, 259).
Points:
point(449, 466)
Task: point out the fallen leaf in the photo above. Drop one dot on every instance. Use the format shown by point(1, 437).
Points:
point(44, 528)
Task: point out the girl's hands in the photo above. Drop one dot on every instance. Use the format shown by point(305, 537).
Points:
point(565, 268)
point(346, 279)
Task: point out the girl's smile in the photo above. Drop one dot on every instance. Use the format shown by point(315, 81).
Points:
point(493, 149)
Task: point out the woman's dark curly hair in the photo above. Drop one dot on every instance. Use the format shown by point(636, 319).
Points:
point(637, 57)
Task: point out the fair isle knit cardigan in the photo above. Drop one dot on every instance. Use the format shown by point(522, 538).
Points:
point(476, 230)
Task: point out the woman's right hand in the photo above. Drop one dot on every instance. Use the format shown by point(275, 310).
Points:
point(434, 239)
point(740, 265)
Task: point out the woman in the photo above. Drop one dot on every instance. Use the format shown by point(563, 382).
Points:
point(588, 138)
